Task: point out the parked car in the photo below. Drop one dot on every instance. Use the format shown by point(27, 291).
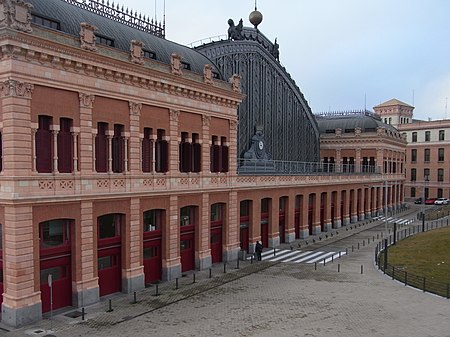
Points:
point(418, 201)
point(430, 201)
point(441, 201)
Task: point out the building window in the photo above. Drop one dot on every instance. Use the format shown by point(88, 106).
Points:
point(440, 192)
point(441, 154)
point(216, 212)
point(413, 155)
point(426, 155)
point(185, 65)
point(187, 216)
point(196, 153)
point(153, 220)
point(101, 148)
point(185, 151)
point(45, 22)
point(441, 134)
point(440, 173)
point(118, 149)
point(426, 174)
point(54, 233)
point(149, 54)
point(413, 174)
point(161, 151)
point(427, 136)
point(44, 145)
point(108, 226)
point(414, 137)
point(413, 192)
point(65, 146)
point(219, 154)
point(106, 41)
point(147, 151)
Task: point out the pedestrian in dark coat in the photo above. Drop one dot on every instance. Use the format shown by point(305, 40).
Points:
point(258, 250)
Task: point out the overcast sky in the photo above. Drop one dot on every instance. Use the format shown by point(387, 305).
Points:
point(343, 54)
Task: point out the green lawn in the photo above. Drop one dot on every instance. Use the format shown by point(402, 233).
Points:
point(425, 254)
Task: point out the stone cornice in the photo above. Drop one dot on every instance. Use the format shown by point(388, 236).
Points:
point(35, 49)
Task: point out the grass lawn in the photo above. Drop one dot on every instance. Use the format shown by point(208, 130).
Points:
point(425, 254)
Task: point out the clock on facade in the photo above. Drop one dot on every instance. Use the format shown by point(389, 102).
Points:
point(261, 145)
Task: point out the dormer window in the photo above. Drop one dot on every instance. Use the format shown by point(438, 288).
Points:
point(215, 75)
point(149, 54)
point(106, 41)
point(185, 65)
point(45, 22)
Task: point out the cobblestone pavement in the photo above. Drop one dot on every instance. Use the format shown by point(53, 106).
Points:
point(346, 297)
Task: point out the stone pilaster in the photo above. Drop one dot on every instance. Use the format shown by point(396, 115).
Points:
point(316, 215)
point(171, 263)
point(85, 277)
point(289, 219)
point(232, 229)
point(87, 149)
point(337, 207)
point(274, 220)
point(133, 276)
point(233, 146)
point(16, 115)
point(304, 228)
point(255, 225)
point(206, 147)
point(203, 258)
point(173, 141)
point(21, 296)
point(135, 149)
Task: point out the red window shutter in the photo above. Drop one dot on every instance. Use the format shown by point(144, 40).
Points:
point(185, 156)
point(196, 157)
point(162, 155)
point(44, 145)
point(118, 149)
point(65, 146)
point(225, 159)
point(101, 148)
point(217, 158)
point(146, 155)
point(211, 158)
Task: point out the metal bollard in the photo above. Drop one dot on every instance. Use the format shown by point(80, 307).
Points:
point(110, 309)
point(315, 265)
point(251, 259)
point(323, 261)
point(274, 253)
point(224, 267)
point(339, 254)
point(157, 290)
point(134, 298)
point(332, 258)
point(352, 248)
point(358, 245)
point(193, 278)
point(362, 270)
point(176, 283)
point(210, 272)
point(237, 264)
point(339, 267)
point(82, 313)
point(346, 251)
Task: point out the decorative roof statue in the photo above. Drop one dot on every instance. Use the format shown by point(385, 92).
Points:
point(235, 32)
point(275, 50)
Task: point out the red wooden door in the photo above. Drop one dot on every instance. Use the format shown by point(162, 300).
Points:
point(187, 251)
point(265, 233)
point(282, 229)
point(216, 244)
point(244, 236)
point(60, 269)
point(109, 270)
point(152, 260)
point(297, 224)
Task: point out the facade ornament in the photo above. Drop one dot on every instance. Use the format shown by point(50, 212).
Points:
point(175, 62)
point(86, 100)
point(235, 32)
point(87, 36)
point(207, 74)
point(235, 81)
point(233, 125)
point(275, 50)
point(357, 132)
point(206, 120)
point(135, 108)
point(16, 14)
point(136, 52)
point(15, 88)
point(380, 131)
point(338, 132)
point(174, 115)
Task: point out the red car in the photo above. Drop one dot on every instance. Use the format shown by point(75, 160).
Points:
point(430, 201)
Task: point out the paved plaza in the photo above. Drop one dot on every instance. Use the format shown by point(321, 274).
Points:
point(348, 296)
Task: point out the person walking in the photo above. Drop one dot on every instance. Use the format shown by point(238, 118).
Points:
point(258, 250)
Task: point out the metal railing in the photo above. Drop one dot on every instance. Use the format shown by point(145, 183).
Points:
point(398, 273)
point(255, 166)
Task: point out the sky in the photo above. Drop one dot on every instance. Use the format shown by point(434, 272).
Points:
point(343, 54)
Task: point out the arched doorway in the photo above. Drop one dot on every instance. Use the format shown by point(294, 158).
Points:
point(244, 223)
point(109, 240)
point(152, 244)
point(265, 207)
point(216, 240)
point(188, 218)
point(56, 260)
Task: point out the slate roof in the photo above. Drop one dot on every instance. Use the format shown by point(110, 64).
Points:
point(391, 102)
point(70, 17)
point(367, 123)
